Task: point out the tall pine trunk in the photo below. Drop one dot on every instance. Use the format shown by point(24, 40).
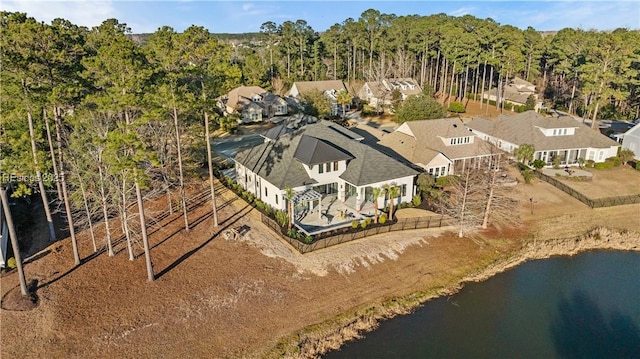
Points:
point(145, 238)
point(14, 239)
point(52, 154)
point(181, 176)
point(484, 74)
point(489, 90)
point(210, 165)
point(453, 75)
point(125, 224)
point(67, 205)
point(43, 193)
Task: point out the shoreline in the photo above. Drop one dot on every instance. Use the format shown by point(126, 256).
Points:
point(318, 339)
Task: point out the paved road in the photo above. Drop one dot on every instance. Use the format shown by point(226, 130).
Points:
point(228, 146)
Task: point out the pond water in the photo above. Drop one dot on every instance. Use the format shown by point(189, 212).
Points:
point(585, 306)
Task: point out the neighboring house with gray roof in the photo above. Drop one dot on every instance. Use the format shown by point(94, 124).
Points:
point(440, 146)
point(552, 137)
point(253, 103)
point(378, 93)
point(375, 93)
point(322, 158)
point(329, 88)
point(516, 92)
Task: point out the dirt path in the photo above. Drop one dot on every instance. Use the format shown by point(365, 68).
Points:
point(218, 298)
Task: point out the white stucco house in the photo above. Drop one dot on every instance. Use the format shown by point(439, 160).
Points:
point(552, 137)
point(631, 140)
point(318, 161)
point(440, 146)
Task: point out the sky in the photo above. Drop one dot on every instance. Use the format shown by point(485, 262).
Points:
point(147, 16)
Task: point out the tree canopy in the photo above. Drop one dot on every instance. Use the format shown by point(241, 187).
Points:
point(419, 108)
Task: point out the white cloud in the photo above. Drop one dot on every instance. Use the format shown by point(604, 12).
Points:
point(462, 11)
point(80, 12)
point(247, 7)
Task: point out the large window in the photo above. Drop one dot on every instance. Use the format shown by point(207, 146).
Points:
point(328, 167)
point(320, 168)
point(335, 165)
point(403, 190)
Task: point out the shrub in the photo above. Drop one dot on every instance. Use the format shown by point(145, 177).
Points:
point(522, 166)
point(616, 161)
point(416, 200)
point(382, 219)
point(556, 162)
point(446, 181)
point(538, 164)
point(293, 233)
point(308, 239)
point(457, 107)
point(603, 165)
point(520, 108)
point(11, 263)
point(638, 165)
point(590, 163)
point(527, 175)
point(365, 223)
point(281, 218)
point(354, 224)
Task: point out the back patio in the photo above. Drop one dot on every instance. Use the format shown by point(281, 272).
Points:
point(315, 213)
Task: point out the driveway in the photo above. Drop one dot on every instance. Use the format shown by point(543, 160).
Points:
point(228, 146)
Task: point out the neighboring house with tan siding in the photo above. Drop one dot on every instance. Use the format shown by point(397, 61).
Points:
point(253, 103)
point(440, 146)
point(516, 92)
point(378, 93)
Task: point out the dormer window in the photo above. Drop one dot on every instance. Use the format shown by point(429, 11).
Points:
point(459, 140)
point(559, 132)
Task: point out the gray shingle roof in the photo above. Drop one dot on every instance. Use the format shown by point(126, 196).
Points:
point(312, 151)
point(524, 128)
point(275, 161)
point(306, 86)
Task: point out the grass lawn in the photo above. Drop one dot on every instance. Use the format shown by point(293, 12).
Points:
point(618, 181)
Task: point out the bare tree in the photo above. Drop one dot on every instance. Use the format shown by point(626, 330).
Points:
point(465, 202)
point(499, 204)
